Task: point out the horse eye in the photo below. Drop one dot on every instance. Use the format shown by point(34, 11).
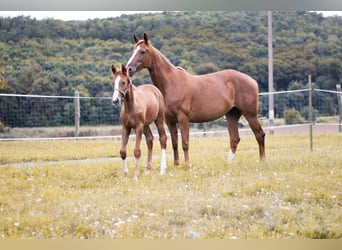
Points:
point(123, 83)
point(143, 52)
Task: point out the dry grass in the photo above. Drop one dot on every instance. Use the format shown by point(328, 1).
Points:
point(295, 194)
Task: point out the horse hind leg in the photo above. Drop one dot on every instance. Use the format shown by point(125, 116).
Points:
point(259, 133)
point(233, 117)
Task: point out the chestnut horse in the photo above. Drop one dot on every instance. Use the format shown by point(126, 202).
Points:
point(199, 98)
point(141, 106)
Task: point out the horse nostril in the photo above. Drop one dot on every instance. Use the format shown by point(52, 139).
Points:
point(115, 102)
point(130, 71)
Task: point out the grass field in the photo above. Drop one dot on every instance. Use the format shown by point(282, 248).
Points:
point(76, 189)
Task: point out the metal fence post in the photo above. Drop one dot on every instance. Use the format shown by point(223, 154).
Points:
point(339, 98)
point(77, 113)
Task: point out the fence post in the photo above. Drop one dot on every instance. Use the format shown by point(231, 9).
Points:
point(270, 73)
point(310, 112)
point(77, 113)
point(339, 98)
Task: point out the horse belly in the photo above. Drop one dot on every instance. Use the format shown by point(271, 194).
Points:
point(207, 115)
point(206, 110)
point(152, 111)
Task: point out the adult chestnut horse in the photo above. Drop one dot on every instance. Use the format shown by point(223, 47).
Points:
point(199, 98)
point(141, 106)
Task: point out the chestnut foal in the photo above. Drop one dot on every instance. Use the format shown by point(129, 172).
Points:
point(141, 106)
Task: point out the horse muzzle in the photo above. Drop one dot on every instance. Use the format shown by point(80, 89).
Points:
point(116, 102)
point(131, 70)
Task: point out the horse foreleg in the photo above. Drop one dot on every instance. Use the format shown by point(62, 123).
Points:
point(259, 135)
point(184, 128)
point(232, 123)
point(137, 151)
point(149, 143)
point(162, 139)
point(174, 138)
point(125, 135)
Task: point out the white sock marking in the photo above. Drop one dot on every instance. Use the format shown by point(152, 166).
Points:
point(136, 171)
point(230, 156)
point(163, 162)
point(124, 165)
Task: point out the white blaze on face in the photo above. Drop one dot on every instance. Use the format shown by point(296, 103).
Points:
point(134, 54)
point(116, 89)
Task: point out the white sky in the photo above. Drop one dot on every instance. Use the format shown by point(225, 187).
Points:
point(85, 15)
point(68, 15)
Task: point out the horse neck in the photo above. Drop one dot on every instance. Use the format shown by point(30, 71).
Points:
point(159, 71)
point(129, 98)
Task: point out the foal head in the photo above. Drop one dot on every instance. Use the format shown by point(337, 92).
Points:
point(121, 84)
point(141, 57)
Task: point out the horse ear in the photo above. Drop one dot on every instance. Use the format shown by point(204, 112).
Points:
point(113, 69)
point(124, 69)
point(145, 38)
point(136, 39)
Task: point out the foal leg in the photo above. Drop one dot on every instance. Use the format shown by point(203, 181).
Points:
point(162, 139)
point(174, 138)
point(259, 133)
point(149, 142)
point(233, 117)
point(137, 151)
point(125, 135)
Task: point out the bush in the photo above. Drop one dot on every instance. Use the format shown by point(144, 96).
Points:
point(292, 116)
point(305, 113)
point(2, 127)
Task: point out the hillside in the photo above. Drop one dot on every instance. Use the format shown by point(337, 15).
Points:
point(53, 57)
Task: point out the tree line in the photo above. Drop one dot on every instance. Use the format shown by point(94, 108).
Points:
point(53, 57)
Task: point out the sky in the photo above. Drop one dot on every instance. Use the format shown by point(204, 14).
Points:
point(68, 15)
point(85, 15)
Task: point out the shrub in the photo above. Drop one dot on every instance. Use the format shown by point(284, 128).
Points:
point(292, 116)
point(2, 127)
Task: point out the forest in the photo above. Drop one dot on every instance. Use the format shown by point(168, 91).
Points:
point(54, 57)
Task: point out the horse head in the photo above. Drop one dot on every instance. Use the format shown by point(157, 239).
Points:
point(121, 84)
point(141, 57)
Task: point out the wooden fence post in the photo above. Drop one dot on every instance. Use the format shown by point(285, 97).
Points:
point(339, 98)
point(310, 112)
point(77, 113)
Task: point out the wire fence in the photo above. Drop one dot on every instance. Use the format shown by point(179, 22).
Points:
point(51, 117)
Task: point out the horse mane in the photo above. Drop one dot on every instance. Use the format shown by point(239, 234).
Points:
point(162, 56)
